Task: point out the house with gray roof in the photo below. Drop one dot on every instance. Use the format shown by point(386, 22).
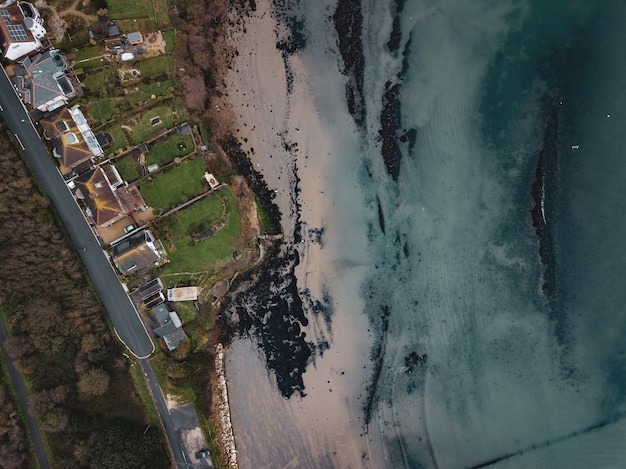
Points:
point(169, 327)
point(42, 82)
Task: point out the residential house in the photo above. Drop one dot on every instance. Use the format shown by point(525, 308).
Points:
point(73, 141)
point(21, 30)
point(137, 252)
point(169, 326)
point(42, 82)
point(107, 196)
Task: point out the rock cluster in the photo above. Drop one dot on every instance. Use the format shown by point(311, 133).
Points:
point(228, 438)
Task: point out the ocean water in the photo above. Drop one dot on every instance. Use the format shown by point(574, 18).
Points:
point(474, 223)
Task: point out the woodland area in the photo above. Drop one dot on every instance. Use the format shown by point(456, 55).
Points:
point(14, 452)
point(81, 390)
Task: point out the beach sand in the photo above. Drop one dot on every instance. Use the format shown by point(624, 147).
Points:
point(287, 140)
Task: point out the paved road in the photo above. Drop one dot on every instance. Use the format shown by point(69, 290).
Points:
point(18, 384)
point(121, 311)
point(181, 458)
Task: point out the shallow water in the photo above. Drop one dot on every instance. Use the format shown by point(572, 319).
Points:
point(464, 338)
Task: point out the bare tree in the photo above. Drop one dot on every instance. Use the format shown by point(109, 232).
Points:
point(95, 382)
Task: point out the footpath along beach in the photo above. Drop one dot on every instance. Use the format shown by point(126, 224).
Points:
point(274, 98)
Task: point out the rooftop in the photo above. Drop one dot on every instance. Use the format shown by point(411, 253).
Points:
point(136, 252)
point(182, 294)
point(42, 81)
point(105, 195)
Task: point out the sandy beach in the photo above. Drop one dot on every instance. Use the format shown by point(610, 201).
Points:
point(287, 140)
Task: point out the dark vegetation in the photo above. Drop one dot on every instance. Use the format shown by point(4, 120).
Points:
point(80, 389)
point(255, 180)
point(14, 452)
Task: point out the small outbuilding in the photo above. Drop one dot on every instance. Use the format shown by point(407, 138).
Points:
point(134, 38)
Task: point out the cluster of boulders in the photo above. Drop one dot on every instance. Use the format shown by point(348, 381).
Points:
point(228, 438)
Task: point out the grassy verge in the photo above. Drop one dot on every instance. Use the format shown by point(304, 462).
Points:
point(144, 394)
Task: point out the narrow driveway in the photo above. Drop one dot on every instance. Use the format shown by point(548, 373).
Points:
point(20, 390)
point(122, 313)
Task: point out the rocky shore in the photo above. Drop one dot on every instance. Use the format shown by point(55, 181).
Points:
point(227, 437)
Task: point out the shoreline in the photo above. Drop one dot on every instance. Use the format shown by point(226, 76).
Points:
point(275, 100)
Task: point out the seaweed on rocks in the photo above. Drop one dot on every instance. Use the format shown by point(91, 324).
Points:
point(348, 19)
point(265, 196)
point(390, 121)
point(271, 312)
point(270, 308)
point(378, 357)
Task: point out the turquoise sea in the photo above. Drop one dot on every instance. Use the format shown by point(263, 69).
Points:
point(486, 153)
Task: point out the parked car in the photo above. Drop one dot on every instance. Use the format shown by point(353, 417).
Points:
point(203, 454)
point(129, 228)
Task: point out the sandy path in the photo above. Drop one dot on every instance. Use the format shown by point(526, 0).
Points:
point(287, 137)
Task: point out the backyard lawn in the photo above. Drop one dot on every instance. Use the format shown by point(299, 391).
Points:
point(174, 187)
point(119, 138)
point(155, 65)
point(88, 52)
point(128, 168)
point(145, 91)
point(210, 253)
point(170, 40)
point(160, 8)
point(102, 108)
point(149, 125)
point(165, 151)
point(96, 81)
point(123, 9)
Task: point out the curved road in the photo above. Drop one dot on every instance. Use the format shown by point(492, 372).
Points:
point(122, 313)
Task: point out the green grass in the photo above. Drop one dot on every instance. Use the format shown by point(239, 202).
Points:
point(144, 128)
point(210, 253)
point(96, 81)
point(186, 311)
point(89, 52)
point(166, 151)
point(125, 9)
point(170, 40)
point(142, 389)
point(155, 65)
point(175, 186)
point(161, 11)
point(102, 108)
point(145, 91)
point(128, 168)
point(119, 138)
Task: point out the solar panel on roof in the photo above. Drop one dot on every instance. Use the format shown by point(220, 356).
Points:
point(17, 31)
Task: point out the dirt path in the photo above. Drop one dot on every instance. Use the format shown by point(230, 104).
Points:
point(54, 24)
point(73, 11)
